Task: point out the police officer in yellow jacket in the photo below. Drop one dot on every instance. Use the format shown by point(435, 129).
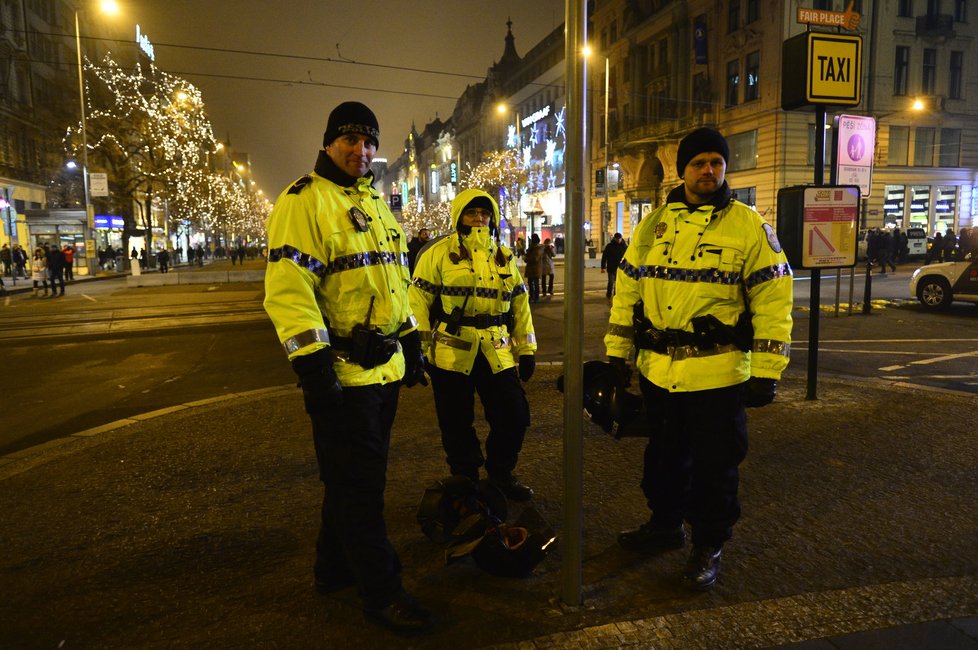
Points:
point(336, 291)
point(473, 313)
point(705, 294)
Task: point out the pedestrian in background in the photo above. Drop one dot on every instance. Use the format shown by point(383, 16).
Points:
point(610, 259)
point(884, 247)
point(471, 305)
point(39, 270)
point(69, 254)
point(19, 257)
point(56, 270)
point(6, 257)
point(705, 294)
point(936, 249)
point(547, 277)
point(950, 245)
point(533, 269)
point(163, 260)
point(336, 291)
point(415, 246)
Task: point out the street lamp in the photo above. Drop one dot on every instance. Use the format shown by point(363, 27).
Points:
point(605, 212)
point(503, 109)
point(108, 7)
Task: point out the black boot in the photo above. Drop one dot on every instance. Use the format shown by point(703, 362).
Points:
point(703, 567)
point(403, 616)
point(649, 538)
point(511, 487)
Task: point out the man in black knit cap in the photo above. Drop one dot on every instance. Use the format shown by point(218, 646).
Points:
point(704, 292)
point(336, 290)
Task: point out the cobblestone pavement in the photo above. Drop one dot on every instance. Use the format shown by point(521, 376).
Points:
point(194, 527)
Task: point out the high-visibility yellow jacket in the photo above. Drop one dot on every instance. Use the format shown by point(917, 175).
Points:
point(336, 258)
point(475, 282)
point(717, 259)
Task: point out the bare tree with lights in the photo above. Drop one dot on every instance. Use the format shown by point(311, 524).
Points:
point(153, 136)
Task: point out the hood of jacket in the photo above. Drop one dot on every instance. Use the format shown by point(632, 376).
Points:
point(465, 197)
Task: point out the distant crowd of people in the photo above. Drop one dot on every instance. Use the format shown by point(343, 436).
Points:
point(887, 248)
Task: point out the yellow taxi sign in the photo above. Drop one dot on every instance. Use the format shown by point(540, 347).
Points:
point(833, 70)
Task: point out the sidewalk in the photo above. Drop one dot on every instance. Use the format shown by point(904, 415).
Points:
point(194, 527)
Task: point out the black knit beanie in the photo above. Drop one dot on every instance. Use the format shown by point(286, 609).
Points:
point(483, 202)
point(700, 141)
point(351, 117)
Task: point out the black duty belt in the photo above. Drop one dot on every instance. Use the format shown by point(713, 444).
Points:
point(367, 348)
point(483, 321)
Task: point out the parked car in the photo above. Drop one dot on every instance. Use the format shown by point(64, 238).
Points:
point(937, 285)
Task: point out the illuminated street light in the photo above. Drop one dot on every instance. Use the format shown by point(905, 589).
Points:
point(111, 8)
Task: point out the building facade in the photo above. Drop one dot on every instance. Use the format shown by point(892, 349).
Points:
point(675, 66)
point(661, 68)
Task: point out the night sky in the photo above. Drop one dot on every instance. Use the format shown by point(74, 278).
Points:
point(279, 121)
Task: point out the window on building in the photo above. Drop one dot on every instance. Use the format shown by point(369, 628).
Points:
point(746, 195)
point(920, 206)
point(613, 33)
point(945, 205)
point(604, 38)
point(899, 145)
point(929, 80)
point(961, 11)
point(955, 77)
point(753, 11)
point(751, 71)
point(949, 154)
point(923, 147)
point(933, 8)
point(901, 70)
point(733, 16)
point(857, 6)
point(733, 83)
point(822, 4)
point(743, 151)
point(664, 54)
point(905, 8)
point(893, 204)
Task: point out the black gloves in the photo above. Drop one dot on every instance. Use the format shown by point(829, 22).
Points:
point(528, 363)
point(623, 372)
point(414, 361)
point(759, 391)
point(321, 390)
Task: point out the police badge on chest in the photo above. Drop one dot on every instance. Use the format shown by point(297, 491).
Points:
point(359, 219)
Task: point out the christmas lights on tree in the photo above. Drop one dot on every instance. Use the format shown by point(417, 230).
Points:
point(148, 129)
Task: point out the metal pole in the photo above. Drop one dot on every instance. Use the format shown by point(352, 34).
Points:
point(605, 214)
point(575, 38)
point(816, 276)
point(90, 253)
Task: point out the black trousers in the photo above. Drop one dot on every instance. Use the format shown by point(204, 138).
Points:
point(507, 412)
point(612, 281)
point(352, 443)
point(696, 442)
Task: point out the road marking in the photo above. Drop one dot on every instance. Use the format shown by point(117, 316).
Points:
point(88, 297)
point(948, 357)
point(891, 369)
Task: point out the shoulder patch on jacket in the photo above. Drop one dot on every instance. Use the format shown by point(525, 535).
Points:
point(300, 184)
point(772, 237)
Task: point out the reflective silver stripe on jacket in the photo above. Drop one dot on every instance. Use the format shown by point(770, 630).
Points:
point(451, 341)
point(772, 347)
point(302, 339)
point(681, 352)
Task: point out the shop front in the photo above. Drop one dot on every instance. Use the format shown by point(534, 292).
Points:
point(60, 228)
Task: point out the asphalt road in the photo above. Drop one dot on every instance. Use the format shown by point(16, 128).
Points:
point(105, 351)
